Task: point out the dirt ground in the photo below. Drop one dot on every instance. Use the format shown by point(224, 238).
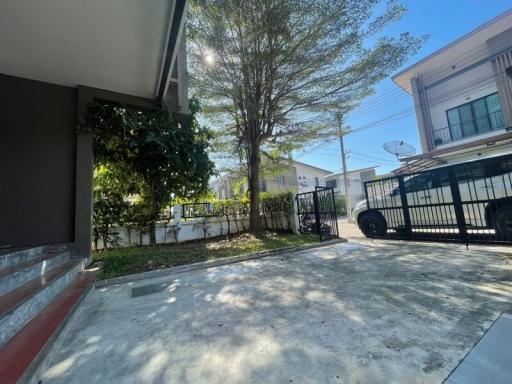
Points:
point(349, 230)
point(356, 312)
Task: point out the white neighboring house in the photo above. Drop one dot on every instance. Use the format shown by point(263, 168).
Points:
point(356, 180)
point(463, 97)
point(308, 176)
point(298, 178)
point(222, 186)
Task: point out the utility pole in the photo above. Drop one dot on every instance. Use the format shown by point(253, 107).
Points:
point(344, 165)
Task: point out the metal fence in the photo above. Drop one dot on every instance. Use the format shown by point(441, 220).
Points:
point(274, 212)
point(199, 210)
point(469, 202)
point(316, 212)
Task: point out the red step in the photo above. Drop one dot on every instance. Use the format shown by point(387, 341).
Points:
point(22, 349)
point(10, 301)
point(20, 266)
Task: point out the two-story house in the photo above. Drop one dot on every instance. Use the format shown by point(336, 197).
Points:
point(463, 97)
point(297, 177)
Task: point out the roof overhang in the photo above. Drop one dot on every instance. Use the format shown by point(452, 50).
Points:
point(448, 55)
point(443, 155)
point(295, 162)
point(353, 171)
point(124, 46)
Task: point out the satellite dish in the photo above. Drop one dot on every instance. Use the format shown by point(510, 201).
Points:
point(399, 148)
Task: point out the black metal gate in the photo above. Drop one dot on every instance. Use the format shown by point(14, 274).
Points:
point(469, 202)
point(316, 211)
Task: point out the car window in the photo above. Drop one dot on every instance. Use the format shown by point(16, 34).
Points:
point(418, 183)
point(443, 178)
point(469, 171)
point(498, 167)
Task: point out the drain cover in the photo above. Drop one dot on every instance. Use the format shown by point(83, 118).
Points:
point(149, 289)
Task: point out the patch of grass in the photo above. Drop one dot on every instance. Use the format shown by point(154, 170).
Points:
point(126, 261)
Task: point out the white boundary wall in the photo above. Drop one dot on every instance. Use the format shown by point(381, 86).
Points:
point(196, 229)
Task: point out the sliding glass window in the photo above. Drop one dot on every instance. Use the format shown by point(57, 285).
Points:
point(476, 117)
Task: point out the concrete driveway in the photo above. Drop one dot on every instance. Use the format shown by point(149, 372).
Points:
point(359, 312)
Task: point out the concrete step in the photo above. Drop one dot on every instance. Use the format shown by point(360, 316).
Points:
point(490, 360)
point(11, 257)
point(21, 273)
point(24, 352)
point(23, 303)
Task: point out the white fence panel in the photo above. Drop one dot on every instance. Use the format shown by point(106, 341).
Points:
point(195, 229)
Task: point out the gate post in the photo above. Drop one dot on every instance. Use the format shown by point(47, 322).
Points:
point(405, 206)
point(295, 217)
point(335, 213)
point(177, 214)
point(457, 205)
point(317, 214)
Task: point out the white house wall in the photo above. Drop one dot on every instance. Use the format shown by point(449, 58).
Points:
point(468, 86)
point(355, 188)
point(307, 176)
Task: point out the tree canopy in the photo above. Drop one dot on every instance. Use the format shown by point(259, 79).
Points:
point(271, 72)
point(151, 154)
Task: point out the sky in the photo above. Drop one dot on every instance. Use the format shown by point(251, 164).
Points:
point(388, 114)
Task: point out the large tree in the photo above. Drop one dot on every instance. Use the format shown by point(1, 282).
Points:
point(154, 155)
point(273, 71)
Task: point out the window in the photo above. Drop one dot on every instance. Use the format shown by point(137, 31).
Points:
point(498, 167)
point(331, 183)
point(418, 183)
point(316, 181)
point(476, 117)
point(469, 171)
point(280, 179)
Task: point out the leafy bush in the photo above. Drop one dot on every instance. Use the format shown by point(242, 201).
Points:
point(341, 205)
point(274, 207)
point(109, 209)
point(165, 156)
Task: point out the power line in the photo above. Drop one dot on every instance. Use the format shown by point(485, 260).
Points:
point(356, 153)
point(390, 97)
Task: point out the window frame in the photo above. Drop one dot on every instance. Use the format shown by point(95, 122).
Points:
point(411, 184)
point(474, 118)
point(331, 183)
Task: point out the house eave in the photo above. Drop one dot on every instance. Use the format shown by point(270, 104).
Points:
point(402, 78)
point(125, 46)
point(175, 32)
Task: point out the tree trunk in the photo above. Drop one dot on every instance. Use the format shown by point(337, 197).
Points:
point(155, 210)
point(152, 232)
point(254, 188)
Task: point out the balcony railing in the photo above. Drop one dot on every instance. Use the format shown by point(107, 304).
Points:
point(475, 127)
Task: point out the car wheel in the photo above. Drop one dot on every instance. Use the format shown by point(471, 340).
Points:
point(502, 223)
point(373, 224)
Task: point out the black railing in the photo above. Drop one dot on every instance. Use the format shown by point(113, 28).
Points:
point(205, 210)
point(274, 214)
point(469, 202)
point(316, 212)
point(198, 210)
point(475, 127)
